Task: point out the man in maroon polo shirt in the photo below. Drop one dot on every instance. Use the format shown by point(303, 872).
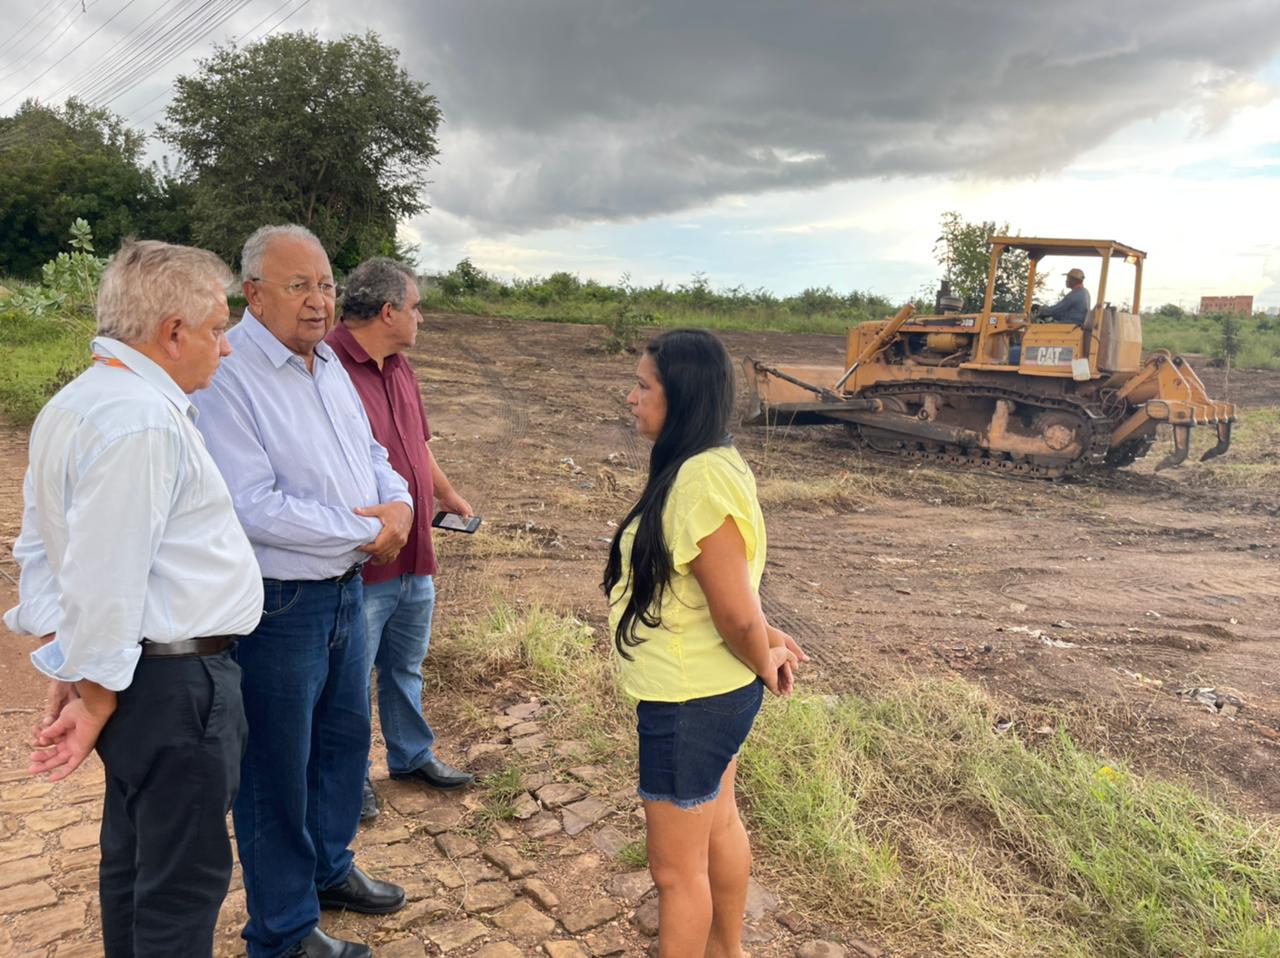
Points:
point(380, 319)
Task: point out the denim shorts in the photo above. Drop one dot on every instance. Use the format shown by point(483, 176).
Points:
point(685, 747)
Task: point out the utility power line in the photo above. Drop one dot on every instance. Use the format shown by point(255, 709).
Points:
point(157, 39)
point(15, 39)
point(36, 79)
point(176, 40)
point(276, 26)
point(155, 113)
point(132, 40)
point(53, 38)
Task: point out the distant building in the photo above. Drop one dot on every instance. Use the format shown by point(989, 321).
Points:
point(1242, 305)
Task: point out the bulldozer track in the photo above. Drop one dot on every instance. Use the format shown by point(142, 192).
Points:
point(1096, 443)
point(515, 420)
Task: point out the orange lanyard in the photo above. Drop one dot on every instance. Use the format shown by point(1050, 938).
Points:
point(109, 361)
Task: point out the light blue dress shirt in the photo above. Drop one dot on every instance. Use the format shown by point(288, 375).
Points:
point(128, 529)
point(298, 455)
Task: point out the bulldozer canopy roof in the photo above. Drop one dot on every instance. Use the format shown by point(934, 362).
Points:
point(1038, 247)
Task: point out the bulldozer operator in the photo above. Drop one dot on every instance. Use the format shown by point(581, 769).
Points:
point(1072, 308)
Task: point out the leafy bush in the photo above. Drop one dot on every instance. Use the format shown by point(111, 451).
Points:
point(622, 328)
point(464, 280)
point(45, 329)
point(68, 289)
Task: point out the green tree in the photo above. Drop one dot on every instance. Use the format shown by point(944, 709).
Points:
point(963, 250)
point(333, 135)
point(1172, 310)
point(1228, 343)
point(168, 215)
point(59, 164)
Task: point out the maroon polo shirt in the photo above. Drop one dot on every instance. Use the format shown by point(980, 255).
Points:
point(399, 420)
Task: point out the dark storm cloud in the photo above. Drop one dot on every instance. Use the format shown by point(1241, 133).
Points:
point(570, 110)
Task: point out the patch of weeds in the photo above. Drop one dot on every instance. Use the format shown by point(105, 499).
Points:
point(502, 791)
point(845, 491)
point(909, 811)
point(558, 653)
point(634, 854)
point(482, 827)
point(489, 543)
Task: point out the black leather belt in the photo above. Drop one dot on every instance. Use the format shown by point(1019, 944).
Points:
point(348, 575)
point(207, 645)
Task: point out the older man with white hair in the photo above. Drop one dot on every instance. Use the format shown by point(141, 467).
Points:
point(139, 578)
point(318, 499)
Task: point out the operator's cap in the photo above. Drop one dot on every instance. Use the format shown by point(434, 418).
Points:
point(1076, 274)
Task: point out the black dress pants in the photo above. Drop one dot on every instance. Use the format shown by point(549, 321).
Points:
point(172, 753)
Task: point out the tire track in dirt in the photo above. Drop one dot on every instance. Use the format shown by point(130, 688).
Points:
point(631, 447)
point(812, 637)
point(515, 419)
point(1242, 587)
point(464, 586)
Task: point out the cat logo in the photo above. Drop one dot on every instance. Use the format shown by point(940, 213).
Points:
point(1047, 356)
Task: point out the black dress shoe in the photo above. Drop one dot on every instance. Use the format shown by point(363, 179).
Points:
point(363, 894)
point(438, 775)
point(319, 945)
point(368, 802)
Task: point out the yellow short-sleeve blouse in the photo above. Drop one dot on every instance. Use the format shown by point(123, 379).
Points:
point(684, 657)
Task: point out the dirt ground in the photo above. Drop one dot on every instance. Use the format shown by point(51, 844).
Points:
point(1096, 599)
point(1150, 578)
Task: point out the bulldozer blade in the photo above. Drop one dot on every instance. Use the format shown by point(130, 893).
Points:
point(1181, 446)
point(1224, 443)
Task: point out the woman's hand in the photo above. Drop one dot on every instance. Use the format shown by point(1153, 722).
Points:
point(778, 637)
point(779, 674)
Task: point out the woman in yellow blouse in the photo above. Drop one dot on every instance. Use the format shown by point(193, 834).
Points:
point(696, 651)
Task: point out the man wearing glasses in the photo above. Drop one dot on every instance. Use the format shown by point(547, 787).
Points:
point(317, 498)
point(380, 319)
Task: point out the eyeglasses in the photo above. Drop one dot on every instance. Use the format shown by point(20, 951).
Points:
point(303, 287)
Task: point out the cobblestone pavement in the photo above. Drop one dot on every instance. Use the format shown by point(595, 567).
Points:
point(550, 881)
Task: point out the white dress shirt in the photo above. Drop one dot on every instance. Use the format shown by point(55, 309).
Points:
point(298, 454)
point(128, 530)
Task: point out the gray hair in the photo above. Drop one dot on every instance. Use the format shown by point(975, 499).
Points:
point(256, 246)
point(148, 281)
point(371, 284)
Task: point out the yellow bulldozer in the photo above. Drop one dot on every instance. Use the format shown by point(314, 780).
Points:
point(1002, 391)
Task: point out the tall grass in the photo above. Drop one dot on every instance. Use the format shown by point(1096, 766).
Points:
point(41, 355)
point(934, 825)
point(1259, 335)
point(1254, 460)
point(564, 298)
point(909, 810)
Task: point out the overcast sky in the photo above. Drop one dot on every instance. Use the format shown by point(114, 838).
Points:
point(794, 144)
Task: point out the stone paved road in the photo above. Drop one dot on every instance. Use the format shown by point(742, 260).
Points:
point(550, 882)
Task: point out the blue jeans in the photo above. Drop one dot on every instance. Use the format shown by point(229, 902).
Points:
point(397, 621)
point(306, 698)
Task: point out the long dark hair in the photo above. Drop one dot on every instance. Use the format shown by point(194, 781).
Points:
point(697, 378)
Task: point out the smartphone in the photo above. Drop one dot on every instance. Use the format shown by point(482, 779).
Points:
point(451, 520)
